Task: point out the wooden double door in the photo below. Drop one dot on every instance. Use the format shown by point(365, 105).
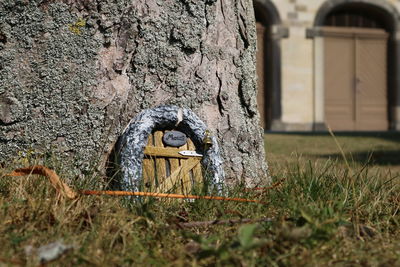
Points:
point(355, 79)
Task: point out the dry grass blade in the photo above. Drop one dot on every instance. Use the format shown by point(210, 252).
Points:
point(340, 148)
point(61, 187)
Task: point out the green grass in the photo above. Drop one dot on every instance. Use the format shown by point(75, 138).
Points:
point(323, 213)
point(376, 150)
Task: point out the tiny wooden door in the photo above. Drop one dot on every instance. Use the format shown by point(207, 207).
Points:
point(167, 171)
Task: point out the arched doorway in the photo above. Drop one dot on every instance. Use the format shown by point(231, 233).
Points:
point(269, 33)
point(127, 158)
point(356, 51)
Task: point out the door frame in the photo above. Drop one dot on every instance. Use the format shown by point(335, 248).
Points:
point(353, 34)
point(316, 33)
point(127, 158)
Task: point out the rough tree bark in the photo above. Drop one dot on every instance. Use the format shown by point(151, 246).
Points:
point(73, 73)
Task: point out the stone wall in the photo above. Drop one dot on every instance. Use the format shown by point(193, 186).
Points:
point(297, 57)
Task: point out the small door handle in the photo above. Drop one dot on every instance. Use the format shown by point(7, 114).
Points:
point(357, 85)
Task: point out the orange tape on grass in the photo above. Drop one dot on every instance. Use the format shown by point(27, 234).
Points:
point(66, 191)
point(55, 180)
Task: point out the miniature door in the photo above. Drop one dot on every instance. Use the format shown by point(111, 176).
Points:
point(171, 167)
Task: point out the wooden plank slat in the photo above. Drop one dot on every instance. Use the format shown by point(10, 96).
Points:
point(161, 170)
point(185, 182)
point(164, 152)
point(148, 168)
point(179, 179)
point(197, 174)
point(175, 162)
point(172, 181)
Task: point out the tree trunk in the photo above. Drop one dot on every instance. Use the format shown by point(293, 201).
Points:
point(73, 74)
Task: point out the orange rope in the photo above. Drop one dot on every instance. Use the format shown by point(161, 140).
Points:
point(65, 190)
point(55, 180)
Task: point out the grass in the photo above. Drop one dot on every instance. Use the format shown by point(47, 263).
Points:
point(380, 150)
point(323, 213)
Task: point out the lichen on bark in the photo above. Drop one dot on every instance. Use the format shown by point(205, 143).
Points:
point(73, 74)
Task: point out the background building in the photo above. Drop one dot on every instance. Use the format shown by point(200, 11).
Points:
point(328, 63)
